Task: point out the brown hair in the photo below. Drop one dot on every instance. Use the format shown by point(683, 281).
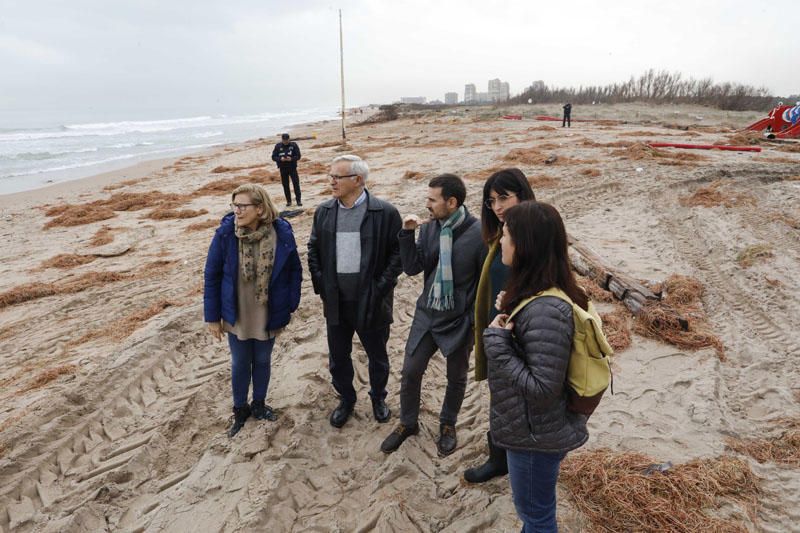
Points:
point(258, 195)
point(540, 260)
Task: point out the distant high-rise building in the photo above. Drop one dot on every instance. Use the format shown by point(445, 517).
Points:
point(451, 98)
point(498, 90)
point(470, 94)
point(413, 100)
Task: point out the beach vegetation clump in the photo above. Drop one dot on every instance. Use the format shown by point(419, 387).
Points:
point(752, 254)
point(103, 236)
point(594, 291)
point(713, 195)
point(616, 328)
point(627, 491)
point(313, 168)
point(67, 261)
point(782, 448)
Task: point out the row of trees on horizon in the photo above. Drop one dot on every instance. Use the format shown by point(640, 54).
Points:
point(659, 87)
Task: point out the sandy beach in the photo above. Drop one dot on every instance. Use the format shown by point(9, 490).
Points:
point(115, 400)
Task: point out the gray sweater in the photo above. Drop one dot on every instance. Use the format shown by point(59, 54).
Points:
point(451, 329)
point(527, 373)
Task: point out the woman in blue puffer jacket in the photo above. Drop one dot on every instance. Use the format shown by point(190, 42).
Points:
point(252, 286)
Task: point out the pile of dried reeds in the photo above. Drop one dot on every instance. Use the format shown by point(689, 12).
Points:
point(783, 448)
point(79, 214)
point(34, 291)
point(632, 492)
point(616, 327)
point(679, 318)
point(593, 290)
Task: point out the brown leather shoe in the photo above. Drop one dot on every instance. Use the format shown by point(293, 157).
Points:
point(397, 437)
point(447, 440)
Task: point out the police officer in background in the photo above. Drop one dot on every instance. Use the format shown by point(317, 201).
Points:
point(286, 154)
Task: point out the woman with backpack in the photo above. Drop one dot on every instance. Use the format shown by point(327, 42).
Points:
point(504, 189)
point(252, 286)
point(528, 358)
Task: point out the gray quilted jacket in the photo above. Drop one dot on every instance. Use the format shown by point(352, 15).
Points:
point(527, 371)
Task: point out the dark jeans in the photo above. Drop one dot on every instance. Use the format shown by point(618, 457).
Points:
point(414, 367)
point(533, 477)
point(340, 348)
point(286, 173)
point(249, 359)
point(566, 120)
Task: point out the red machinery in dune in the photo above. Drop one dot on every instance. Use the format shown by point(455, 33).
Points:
point(783, 122)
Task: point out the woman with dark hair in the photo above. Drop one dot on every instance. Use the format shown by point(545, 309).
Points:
point(528, 359)
point(503, 190)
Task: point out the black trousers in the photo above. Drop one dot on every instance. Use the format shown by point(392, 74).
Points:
point(286, 173)
point(566, 120)
point(340, 347)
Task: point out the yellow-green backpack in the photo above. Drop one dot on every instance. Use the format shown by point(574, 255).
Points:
point(589, 371)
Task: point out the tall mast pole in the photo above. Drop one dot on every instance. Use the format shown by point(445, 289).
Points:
point(341, 64)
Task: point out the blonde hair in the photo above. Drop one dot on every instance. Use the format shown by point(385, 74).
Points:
point(259, 196)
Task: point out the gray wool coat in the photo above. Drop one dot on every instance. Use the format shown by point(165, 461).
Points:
point(527, 375)
point(451, 329)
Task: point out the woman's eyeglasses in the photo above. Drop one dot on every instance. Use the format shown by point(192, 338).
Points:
point(240, 207)
point(503, 198)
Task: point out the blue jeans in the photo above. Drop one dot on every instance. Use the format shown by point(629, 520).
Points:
point(533, 477)
point(249, 359)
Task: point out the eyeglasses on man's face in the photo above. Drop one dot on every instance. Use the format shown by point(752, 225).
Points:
point(240, 207)
point(336, 177)
point(502, 199)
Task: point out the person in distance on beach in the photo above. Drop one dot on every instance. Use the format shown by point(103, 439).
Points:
point(450, 252)
point(252, 286)
point(286, 154)
point(567, 121)
point(528, 359)
point(503, 190)
point(354, 261)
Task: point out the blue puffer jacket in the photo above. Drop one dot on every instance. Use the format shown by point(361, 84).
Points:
point(222, 275)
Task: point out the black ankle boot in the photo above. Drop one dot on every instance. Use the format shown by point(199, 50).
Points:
point(495, 466)
point(240, 415)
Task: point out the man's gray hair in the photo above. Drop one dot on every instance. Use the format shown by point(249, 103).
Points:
point(357, 165)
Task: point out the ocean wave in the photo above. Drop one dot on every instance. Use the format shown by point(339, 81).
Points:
point(207, 134)
point(38, 156)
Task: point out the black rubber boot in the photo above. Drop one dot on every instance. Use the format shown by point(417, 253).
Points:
point(495, 466)
point(240, 415)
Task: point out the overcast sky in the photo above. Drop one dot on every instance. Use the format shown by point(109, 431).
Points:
point(247, 55)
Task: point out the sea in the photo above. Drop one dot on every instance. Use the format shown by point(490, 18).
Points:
point(37, 150)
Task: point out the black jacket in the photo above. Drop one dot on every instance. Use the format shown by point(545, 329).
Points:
point(284, 150)
point(380, 261)
point(527, 373)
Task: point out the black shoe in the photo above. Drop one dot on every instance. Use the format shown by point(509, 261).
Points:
point(340, 415)
point(262, 412)
point(240, 415)
point(494, 466)
point(288, 204)
point(299, 204)
point(397, 437)
point(447, 440)
point(381, 411)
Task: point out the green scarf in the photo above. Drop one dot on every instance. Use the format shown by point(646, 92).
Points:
point(440, 297)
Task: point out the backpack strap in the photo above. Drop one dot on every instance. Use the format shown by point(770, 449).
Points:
point(553, 291)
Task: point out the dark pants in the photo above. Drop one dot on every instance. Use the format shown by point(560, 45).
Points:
point(340, 347)
point(249, 359)
point(533, 477)
point(566, 120)
point(286, 173)
point(414, 367)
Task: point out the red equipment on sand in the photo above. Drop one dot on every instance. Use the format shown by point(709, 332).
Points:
point(707, 147)
point(783, 122)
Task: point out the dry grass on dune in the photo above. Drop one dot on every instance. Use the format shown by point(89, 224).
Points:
point(67, 261)
point(34, 291)
point(47, 376)
point(616, 327)
point(263, 175)
point(782, 448)
point(714, 195)
point(753, 254)
point(543, 127)
point(482, 175)
point(681, 298)
point(205, 224)
point(631, 492)
point(78, 215)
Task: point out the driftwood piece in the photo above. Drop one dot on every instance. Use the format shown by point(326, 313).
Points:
point(630, 292)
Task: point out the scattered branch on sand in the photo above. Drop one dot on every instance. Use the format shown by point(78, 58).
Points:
point(783, 448)
point(205, 224)
point(164, 214)
point(47, 376)
point(679, 318)
point(753, 254)
point(34, 291)
point(124, 327)
point(632, 492)
point(713, 196)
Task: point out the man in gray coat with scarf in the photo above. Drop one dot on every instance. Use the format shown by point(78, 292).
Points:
point(450, 252)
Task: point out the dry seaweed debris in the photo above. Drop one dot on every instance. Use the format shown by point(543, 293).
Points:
point(590, 172)
point(413, 175)
point(542, 181)
point(617, 328)
point(165, 214)
point(783, 448)
point(102, 236)
point(593, 290)
point(34, 291)
point(679, 318)
point(752, 254)
point(122, 328)
point(47, 376)
point(633, 492)
point(205, 224)
point(644, 152)
point(79, 214)
point(527, 156)
point(67, 261)
point(712, 196)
